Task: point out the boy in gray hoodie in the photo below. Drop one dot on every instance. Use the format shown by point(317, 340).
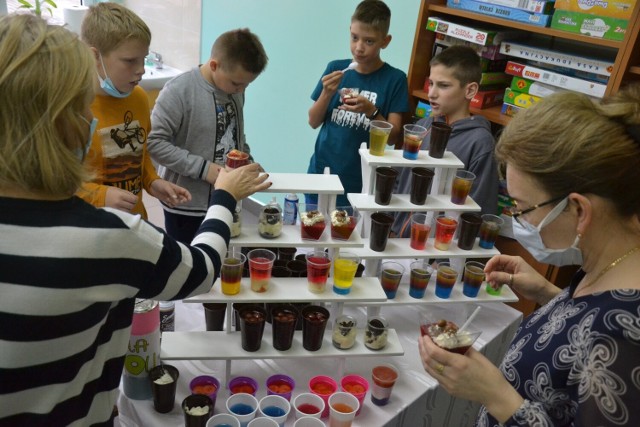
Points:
point(197, 120)
point(453, 81)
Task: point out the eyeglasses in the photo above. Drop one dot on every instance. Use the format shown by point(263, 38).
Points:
point(516, 214)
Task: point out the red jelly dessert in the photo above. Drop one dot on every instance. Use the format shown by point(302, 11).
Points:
point(311, 225)
point(342, 225)
point(445, 334)
point(237, 158)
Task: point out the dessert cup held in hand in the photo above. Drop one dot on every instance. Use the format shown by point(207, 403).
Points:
point(243, 406)
point(489, 230)
point(324, 387)
point(421, 179)
point(446, 278)
point(390, 277)
point(348, 93)
point(445, 229)
point(419, 278)
point(461, 186)
point(472, 278)
point(236, 158)
point(344, 332)
point(314, 322)
point(439, 139)
point(308, 405)
point(242, 385)
point(469, 228)
point(207, 385)
point(231, 271)
point(345, 266)
point(380, 228)
point(378, 136)
point(342, 409)
point(376, 333)
point(164, 380)
point(252, 320)
point(413, 135)
point(260, 266)
point(197, 409)
point(356, 385)
point(318, 268)
point(385, 181)
point(283, 318)
point(280, 385)
point(420, 230)
point(383, 378)
point(344, 220)
point(312, 221)
point(444, 332)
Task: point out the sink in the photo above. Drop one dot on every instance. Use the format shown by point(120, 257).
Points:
point(155, 79)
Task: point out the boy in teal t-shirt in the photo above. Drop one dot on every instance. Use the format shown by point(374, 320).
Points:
point(383, 96)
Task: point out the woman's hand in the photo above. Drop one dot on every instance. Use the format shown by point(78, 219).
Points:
point(169, 193)
point(515, 272)
point(243, 181)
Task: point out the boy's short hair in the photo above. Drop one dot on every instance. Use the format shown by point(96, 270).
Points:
point(107, 25)
point(463, 61)
point(240, 47)
point(374, 13)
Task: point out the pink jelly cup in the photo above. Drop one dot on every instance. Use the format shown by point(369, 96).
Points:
point(278, 380)
point(202, 381)
point(324, 387)
point(346, 384)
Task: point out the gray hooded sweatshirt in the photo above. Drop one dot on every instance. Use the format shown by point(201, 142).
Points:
point(472, 142)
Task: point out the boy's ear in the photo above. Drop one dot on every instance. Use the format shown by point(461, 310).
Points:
point(96, 53)
point(470, 90)
point(386, 41)
point(213, 64)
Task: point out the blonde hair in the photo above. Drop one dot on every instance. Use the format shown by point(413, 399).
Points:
point(46, 81)
point(107, 25)
point(569, 143)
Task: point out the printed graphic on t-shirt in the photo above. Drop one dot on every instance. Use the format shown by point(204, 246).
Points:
point(122, 149)
point(225, 131)
point(350, 119)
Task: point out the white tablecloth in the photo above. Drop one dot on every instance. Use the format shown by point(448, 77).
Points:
point(416, 398)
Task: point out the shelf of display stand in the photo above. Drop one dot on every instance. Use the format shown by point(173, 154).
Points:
point(400, 202)
point(394, 158)
point(399, 248)
point(209, 345)
point(290, 237)
point(304, 183)
point(403, 297)
point(294, 289)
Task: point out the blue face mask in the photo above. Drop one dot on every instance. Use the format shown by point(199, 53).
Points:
point(529, 237)
point(107, 85)
point(92, 128)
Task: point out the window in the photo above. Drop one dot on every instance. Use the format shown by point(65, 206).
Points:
point(57, 18)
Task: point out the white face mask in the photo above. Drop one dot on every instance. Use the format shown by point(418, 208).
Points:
point(529, 237)
point(107, 85)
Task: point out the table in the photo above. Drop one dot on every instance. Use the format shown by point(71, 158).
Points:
point(417, 400)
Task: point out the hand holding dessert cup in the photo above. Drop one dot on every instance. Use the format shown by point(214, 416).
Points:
point(447, 335)
point(347, 93)
point(236, 159)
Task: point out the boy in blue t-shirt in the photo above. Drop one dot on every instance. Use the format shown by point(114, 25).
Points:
point(383, 96)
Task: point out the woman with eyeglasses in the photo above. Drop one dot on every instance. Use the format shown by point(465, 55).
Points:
point(573, 169)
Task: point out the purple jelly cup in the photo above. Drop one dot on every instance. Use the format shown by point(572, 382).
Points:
point(277, 385)
point(243, 385)
point(205, 384)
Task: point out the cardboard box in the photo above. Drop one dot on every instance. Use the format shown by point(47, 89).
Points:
point(510, 110)
point(556, 57)
point(537, 6)
point(602, 27)
point(423, 109)
point(495, 79)
point(486, 99)
point(614, 8)
point(533, 88)
point(489, 52)
point(479, 36)
point(509, 13)
point(518, 99)
point(556, 79)
point(571, 72)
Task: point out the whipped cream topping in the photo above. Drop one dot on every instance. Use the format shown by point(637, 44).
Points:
point(164, 379)
point(311, 217)
point(340, 218)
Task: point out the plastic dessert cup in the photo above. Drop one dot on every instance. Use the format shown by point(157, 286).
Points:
point(207, 385)
point(223, 420)
point(419, 278)
point(420, 230)
point(348, 93)
point(260, 266)
point(445, 229)
point(446, 335)
point(283, 318)
point(385, 181)
point(324, 387)
point(376, 333)
point(379, 131)
point(312, 222)
point(309, 422)
point(344, 332)
point(439, 139)
point(314, 321)
point(413, 135)
point(420, 182)
point(164, 380)
point(197, 409)
point(318, 268)
point(252, 320)
point(236, 158)
point(489, 230)
point(231, 272)
point(446, 278)
point(461, 187)
point(243, 406)
point(356, 385)
point(390, 277)
point(280, 385)
point(243, 385)
point(380, 227)
point(342, 409)
point(345, 266)
point(472, 278)
point(469, 226)
point(344, 220)
point(308, 405)
point(384, 378)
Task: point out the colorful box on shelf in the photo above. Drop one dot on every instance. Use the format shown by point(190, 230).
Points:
point(486, 99)
point(518, 99)
point(510, 110)
point(614, 8)
point(491, 52)
point(511, 14)
point(495, 79)
point(533, 88)
point(556, 79)
point(553, 56)
point(480, 36)
point(423, 109)
point(537, 6)
point(602, 27)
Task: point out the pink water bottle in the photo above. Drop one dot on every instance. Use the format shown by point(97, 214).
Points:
point(144, 350)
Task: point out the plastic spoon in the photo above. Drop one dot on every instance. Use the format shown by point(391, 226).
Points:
point(351, 66)
point(469, 320)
